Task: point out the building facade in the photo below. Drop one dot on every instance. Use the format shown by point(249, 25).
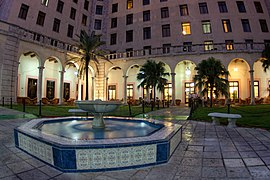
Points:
point(38, 46)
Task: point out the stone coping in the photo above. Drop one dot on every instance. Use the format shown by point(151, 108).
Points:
point(224, 115)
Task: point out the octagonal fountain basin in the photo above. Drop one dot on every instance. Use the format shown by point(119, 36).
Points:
point(72, 145)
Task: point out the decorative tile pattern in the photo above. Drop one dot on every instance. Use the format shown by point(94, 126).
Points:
point(115, 157)
point(36, 148)
point(176, 139)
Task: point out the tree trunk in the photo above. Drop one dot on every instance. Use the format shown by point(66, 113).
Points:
point(87, 59)
point(211, 96)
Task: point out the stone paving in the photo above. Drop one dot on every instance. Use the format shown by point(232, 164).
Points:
point(206, 152)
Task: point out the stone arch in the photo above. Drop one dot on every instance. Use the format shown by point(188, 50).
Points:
point(239, 78)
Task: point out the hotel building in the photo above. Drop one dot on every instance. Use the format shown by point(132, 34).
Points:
point(38, 46)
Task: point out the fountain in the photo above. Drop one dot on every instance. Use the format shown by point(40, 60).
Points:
point(78, 144)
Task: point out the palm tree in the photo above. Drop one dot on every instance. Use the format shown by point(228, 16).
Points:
point(89, 49)
point(266, 57)
point(152, 75)
point(209, 76)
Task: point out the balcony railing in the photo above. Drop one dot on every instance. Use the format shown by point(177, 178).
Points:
point(190, 49)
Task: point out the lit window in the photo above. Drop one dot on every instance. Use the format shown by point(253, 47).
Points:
point(167, 91)
point(206, 26)
point(189, 89)
point(208, 45)
point(45, 2)
point(229, 44)
point(130, 91)
point(256, 89)
point(186, 28)
point(129, 4)
point(226, 25)
point(111, 92)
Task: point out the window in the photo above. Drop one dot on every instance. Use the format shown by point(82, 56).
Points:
point(241, 6)
point(166, 32)
point(186, 28)
point(129, 4)
point(222, 7)
point(146, 2)
point(245, 25)
point(72, 13)
point(166, 48)
point(147, 49)
point(264, 26)
point(111, 92)
point(234, 89)
point(189, 89)
point(97, 25)
point(70, 31)
point(66, 91)
point(129, 52)
point(86, 4)
point(45, 2)
point(113, 39)
point(229, 45)
point(113, 22)
point(203, 8)
point(187, 46)
point(56, 25)
point(99, 9)
point(146, 15)
point(50, 89)
point(41, 18)
point(114, 7)
point(147, 33)
point(208, 45)
point(84, 19)
point(183, 10)
point(256, 89)
point(206, 26)
point(129, 36)
point(130, 91)
point(75, 1)
point(32, 88)
point(163, 0)
point(258, 7)
point(23, 11)
point(249, 43)
point(164, 12)
point(226, 25)
point(168, 92)
point(129, 19)
point(60, 6)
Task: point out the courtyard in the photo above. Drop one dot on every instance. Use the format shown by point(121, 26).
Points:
point(206, 152)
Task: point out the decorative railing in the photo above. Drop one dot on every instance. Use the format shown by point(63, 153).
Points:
point(35, 37)
point(190, 49)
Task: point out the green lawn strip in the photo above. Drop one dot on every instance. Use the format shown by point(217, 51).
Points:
point(252, 116)
point(59, 111)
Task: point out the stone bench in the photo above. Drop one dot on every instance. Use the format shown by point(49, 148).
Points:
point(231, 118)
point(74, 111)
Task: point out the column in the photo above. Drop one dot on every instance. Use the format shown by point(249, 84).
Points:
point(125, 89)
point(61, 86)
point(227, 99)
point(173, 89)
point(40, 79)
point(106, 89)
point(93, 88)
point(252, 98)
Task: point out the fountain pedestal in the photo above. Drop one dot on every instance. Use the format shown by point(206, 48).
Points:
point(98, 108)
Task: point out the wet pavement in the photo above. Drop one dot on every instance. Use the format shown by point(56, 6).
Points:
point(206, 152)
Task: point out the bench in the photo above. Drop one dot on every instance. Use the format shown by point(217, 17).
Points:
point(231, 118)
point(73, 111)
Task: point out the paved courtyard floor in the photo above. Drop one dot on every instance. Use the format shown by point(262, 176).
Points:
point(206, 152)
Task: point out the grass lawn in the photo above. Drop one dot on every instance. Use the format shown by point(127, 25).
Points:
point(252, 116)
point(57, 111)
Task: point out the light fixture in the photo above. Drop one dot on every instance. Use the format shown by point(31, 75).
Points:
point(188, 72)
